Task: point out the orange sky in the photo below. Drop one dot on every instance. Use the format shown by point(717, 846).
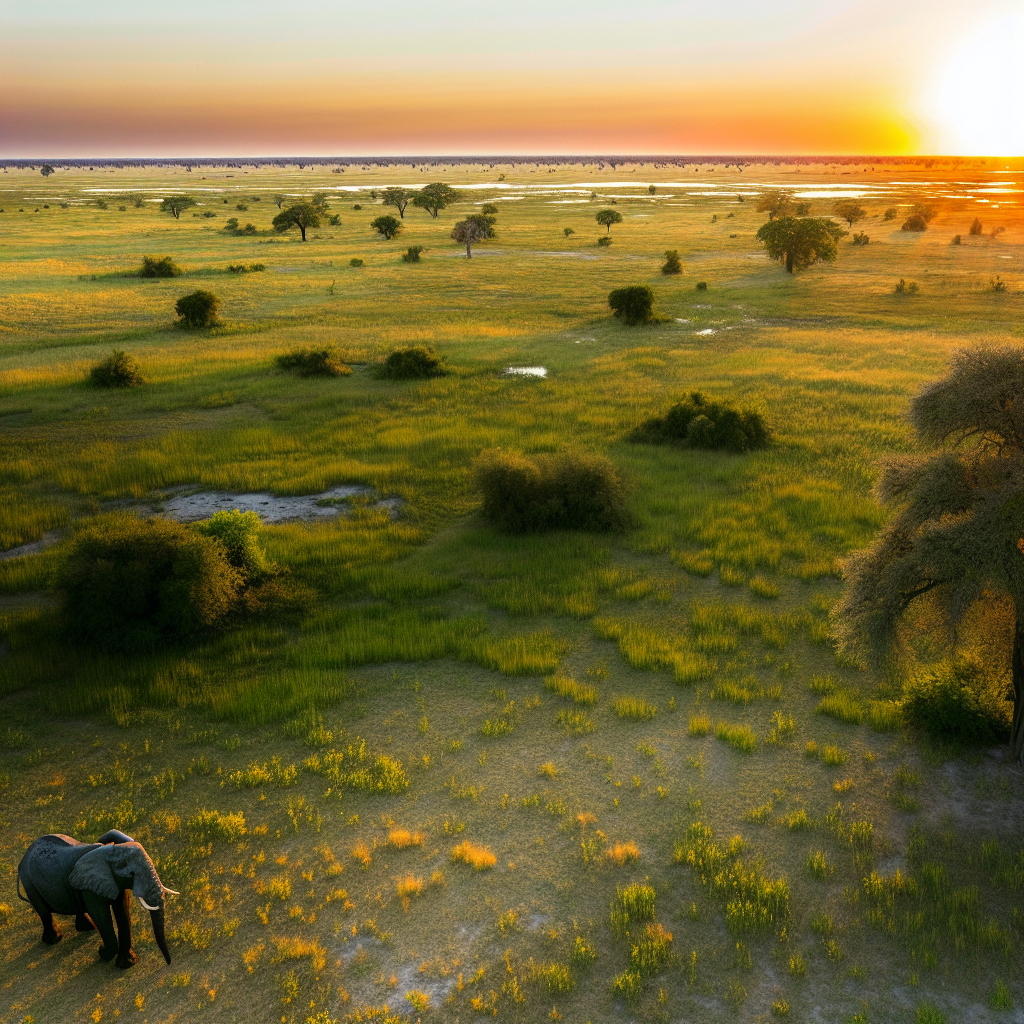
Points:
point(565, 76)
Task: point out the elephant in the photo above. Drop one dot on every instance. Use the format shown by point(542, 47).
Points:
point(60, 875)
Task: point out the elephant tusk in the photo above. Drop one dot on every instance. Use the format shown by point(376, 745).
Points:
point(170, 892)
point(145, 904)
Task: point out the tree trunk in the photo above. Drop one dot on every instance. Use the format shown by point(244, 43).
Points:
point(469, 251)
point(303, 230)
point(1017, 663)
point(789, 262)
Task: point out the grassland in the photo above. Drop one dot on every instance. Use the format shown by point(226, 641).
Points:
point(449, 781)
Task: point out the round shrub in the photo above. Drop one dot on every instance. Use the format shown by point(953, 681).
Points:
point(551, 492)
point(412, 254)
point(159, 266)
point(915, 223)
point(632, 305)
point(604, 241)
point(239, 533)
point(355, 262)
point(197, 310)
point(118, 370)
point(413, 363)
point(960, 702)
point(702, 286)
point(314, 362)
point(672, 264)
point(698, 422)
point(131, 584)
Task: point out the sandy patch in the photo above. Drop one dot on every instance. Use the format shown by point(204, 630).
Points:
point(271, 508)
point(49, 538)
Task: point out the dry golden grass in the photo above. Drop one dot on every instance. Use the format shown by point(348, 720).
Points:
point(402, 839)
point(477, 857)
point(622, 854)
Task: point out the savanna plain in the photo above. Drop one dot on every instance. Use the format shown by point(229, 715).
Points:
point(462, 774)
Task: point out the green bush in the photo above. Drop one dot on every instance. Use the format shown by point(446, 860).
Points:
point(915, 222)
point(698, 422)
point(672, 264)
point(314, 362)
point(551, 492)
point(961, 702)
point(413, 363)
point(132, 584)
point(239, 533)
point(198, 309)
point(159, 266)
point(246, 268)
point(702, 286)
point(355, 262)
point(604, 241)
point(632, 305)
point(412, 254)
point(118, 370)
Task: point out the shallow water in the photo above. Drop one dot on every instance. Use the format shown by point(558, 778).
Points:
point(48, 538)
point(271, 508)
point(526, 371)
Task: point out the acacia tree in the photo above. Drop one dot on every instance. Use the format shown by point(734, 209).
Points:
point(301, 216)
point(775, 204)
point(608, 218)
point(398, 198)
point(175, 205)
point(435, 197)
point(387, 226)
point(797, 242)
point(850, 212)
point(46, 170)
point(473, 229)
point(955, 542)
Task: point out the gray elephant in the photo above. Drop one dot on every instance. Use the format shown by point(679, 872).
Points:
point(60, 875)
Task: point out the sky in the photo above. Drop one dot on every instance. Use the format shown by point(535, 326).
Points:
point(112, 78)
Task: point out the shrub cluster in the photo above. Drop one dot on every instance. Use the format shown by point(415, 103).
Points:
point(633, 305)
point(915, 222)
point(860, 238)
point(246, 268)
point(314, 362)
point(412, 254)
point(159, 266)
point(672, 264)
point(413, 363)
point(231, 227)
point(960, 702)
point(551, 492)
point(198, 309)
point(698, 422)
point(118, 370)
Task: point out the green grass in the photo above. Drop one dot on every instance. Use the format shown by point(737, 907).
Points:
point(740, 737)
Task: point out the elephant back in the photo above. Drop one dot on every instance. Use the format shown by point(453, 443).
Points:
point(46, 867)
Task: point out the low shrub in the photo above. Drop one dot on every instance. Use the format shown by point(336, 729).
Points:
point(551, 492)
point(672, 264)
point(568, 231)
point(702, 286)
point(414, 363)
point(915, 222)
point(976, 227)
point(132, 584)
point(412, 254)
point(159, 266)
point(961, 701)
point(860, 238)
point(118, 370)
point(604, 241)
point(314, 362)
point(905, 287)
point(632, 305)
point(477, 857)
point(239, 533)
point(890, 214)
point(998, 284)
point(246, 268)
point(197, 310)
point(698, 422)
point(356, 261)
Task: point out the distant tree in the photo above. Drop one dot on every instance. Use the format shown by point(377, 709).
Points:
point(850, 212)
point(301, 216)
point(568, 231)
point(890, 213)
point(472, 229)
point(319, 201)
point(632, 305)
point(775, 204)
point(46, 170)
point(489, 209)
point(976, 227)
point(199, 309)
point(608, 218)
point(435, 197)
point(954, 544)
point(651, 189)
point(798, 242)
point(924, 211)
point(118, 370)
point(278, 200)
point(159, 266)
point(387, 226)
point(915, 222)
point(399, 198)
point(176, 205)
point(672, 264)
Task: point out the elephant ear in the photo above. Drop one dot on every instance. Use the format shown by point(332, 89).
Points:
point(93, 874)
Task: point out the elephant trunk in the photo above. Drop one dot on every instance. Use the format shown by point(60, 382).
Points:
point(157, 917)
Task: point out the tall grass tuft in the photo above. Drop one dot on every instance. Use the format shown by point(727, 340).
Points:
point(632, 905)
point(634, 708)
point(564, 686)
point(740, 737)
point(477, 857)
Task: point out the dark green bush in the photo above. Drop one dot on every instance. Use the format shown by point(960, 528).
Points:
point(489, 209)
point(604, 241)
point(697, 422)
point(915, 223)
point(246, 268)
point(411, 364)
point(239, 533)
point(672, 264)
point(199, 309)
point(961, 702)
point(118, 370)
point(314, 362)
point(355, 262)
point(159, 266)
point(702, 286)
point(412, 255)
point(551, 492)
point(632, 305)
point(129, 584)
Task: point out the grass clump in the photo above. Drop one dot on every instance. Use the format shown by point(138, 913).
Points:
point(239, 533)
point(551, 492)
point(356, 768)
point(700, 725)
point(206, 825)
point(271, 773)
point(159, 266)
point(740, 737)
point(570, 689)
point(402, 839)
point(632, 905)
point(760, 587)
point(818, 866)
point(574, 723)
point(843, 706)
point(622, 853)
point(652, 951)
point(635, 708)
point(314, 362)
point(118, 370)
point(628, 984)
point(415, 363)
point(477, 857)
point(582, 955)
point(699, 422)
point(197, 310)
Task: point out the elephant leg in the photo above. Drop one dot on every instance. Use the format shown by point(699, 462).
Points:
point(50, 934)
point(82, 922)
point(98, 909)
point(123, 916)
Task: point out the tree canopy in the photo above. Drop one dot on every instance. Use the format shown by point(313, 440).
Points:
point(797, 242)
point(398, 198)
point(301, 216)
point(955, 540)
point(46, 170)
point(775, 204)
point(435, 197)
point(387, 226)
point(473, 229)
point(850, 212)
point(608, 218)
point(175, 205)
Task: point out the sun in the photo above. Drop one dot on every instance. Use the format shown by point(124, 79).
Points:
point(977, 96)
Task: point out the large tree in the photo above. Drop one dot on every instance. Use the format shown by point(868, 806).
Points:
point(850, 212)
point(473, 229)
point(955, 542)
point(775, 204)
point(435, 197)
point(607, 218)
point(301, 216)
point(797, 242)
point(398, 198)
point(176, 205)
